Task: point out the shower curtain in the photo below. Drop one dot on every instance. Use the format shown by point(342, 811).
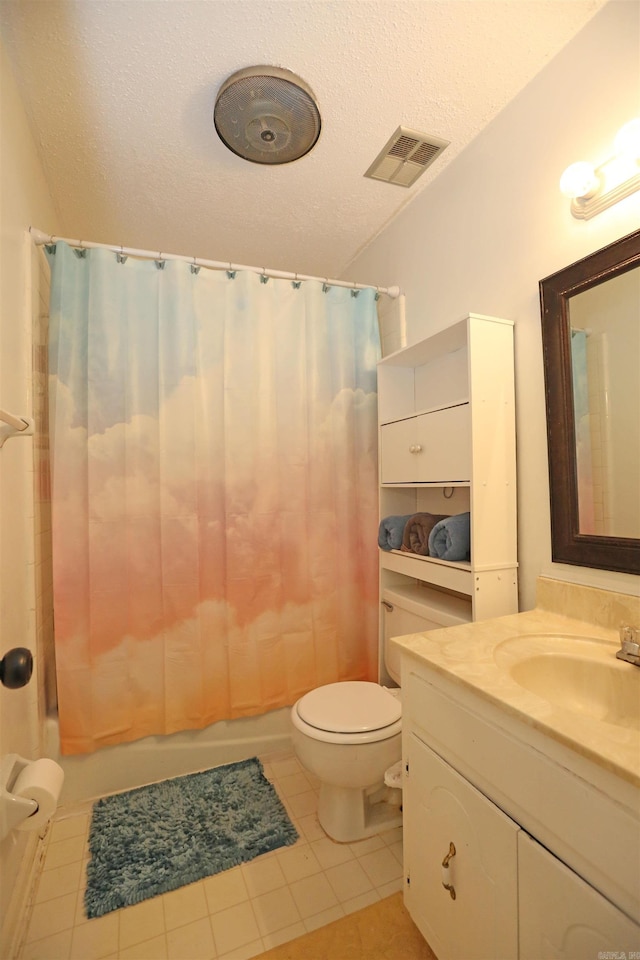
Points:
point(214, 492)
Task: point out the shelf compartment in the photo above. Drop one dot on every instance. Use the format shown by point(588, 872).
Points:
point(448, 340)
point(415, 597)
point(441, 573)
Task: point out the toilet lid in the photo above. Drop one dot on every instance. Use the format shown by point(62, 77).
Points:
point(352, 706)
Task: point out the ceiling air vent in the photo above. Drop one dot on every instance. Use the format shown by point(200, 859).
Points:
point(405, 156)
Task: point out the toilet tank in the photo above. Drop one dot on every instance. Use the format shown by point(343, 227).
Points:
point(415, 609)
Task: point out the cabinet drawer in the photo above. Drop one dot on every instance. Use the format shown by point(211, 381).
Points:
point(430, 448)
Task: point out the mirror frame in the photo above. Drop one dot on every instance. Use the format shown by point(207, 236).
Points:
point(568, 545)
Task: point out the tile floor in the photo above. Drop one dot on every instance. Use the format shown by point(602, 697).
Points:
point(381, 931)
point(234, 915)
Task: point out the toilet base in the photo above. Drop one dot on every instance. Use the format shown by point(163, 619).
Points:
point(348, 814)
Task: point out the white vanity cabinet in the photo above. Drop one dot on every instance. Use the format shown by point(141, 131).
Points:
point(447, 446)
point(545, 863)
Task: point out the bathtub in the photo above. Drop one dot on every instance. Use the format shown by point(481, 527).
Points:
point(130, 765)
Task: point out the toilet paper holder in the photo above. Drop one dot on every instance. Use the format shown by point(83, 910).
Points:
point(13, 810)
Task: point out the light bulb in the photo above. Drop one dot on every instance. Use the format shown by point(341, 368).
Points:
point(579, 180)
point(627, 140)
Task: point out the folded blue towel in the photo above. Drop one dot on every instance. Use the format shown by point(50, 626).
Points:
point(391, 531)
point(450, 539)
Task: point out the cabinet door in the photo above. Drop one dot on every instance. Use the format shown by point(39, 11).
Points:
point(431, 448)
point(399, 458)
point(445, 438)
point(562, 917)
point(442, 813)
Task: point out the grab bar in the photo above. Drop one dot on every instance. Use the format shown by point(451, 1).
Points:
point(13, 426)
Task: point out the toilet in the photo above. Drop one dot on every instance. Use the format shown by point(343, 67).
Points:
point(349, 734)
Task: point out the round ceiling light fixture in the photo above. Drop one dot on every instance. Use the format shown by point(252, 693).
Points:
point(267, 115)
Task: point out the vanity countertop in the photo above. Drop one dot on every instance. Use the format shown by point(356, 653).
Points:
point(479, 657)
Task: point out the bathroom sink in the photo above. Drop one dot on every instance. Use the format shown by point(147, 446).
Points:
point(578, 674)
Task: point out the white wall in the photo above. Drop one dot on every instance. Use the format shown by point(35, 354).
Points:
point(24, 199)
point(481, 236)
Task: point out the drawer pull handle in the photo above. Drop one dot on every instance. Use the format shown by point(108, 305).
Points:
point(451, 889)
point(449, 856)
point(415, 448)
point(445, 876)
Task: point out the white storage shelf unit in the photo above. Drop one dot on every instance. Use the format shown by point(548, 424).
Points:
point(446, 411)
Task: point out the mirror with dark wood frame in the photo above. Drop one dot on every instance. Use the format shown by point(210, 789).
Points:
point(593, 410)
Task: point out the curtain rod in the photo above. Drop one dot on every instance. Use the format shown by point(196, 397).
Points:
point(39, 238)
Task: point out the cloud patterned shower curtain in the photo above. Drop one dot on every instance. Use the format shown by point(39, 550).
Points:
point(214, 493)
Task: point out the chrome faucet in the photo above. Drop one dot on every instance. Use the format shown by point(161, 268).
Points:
point(629, 644)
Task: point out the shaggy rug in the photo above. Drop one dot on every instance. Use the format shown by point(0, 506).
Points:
point(157, 838)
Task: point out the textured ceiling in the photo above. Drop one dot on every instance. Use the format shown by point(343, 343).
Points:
point(120, 94)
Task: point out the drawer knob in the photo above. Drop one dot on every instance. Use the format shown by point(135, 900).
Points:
point(415, 448)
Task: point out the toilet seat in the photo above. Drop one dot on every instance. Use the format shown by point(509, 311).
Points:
point(351, 711)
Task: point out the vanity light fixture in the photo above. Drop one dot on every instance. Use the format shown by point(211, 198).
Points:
point(593, 189)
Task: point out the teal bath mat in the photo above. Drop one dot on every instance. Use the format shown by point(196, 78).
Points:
point(157, 838)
